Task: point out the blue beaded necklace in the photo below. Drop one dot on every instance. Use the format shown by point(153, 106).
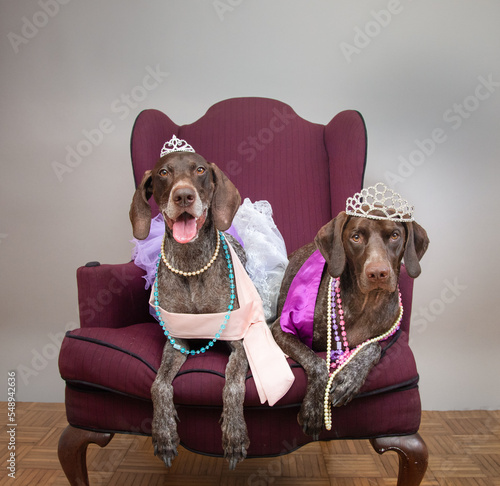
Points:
point(230, 307)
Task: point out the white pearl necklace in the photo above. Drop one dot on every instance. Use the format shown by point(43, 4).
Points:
point(392, 330)
point(230, 307)
point(190, 274)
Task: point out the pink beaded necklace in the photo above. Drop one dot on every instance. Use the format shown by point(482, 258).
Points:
point(335, 301)
point(337, 358)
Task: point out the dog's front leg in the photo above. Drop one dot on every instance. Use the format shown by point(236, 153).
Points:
point(350, 379)
point(235, 439)
point(164, 427)
point(310, 416)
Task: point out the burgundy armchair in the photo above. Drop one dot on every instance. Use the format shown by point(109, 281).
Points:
point(306, 171)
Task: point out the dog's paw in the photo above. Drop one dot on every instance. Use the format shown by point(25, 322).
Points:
point(235, 442)
point(344, 388)
point(165, 444)
point(350, 379)
point(310, 417)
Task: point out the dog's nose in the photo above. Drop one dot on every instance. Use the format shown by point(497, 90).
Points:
point(184, 196)
point(377, 272)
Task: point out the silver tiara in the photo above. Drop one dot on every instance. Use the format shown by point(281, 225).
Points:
point(175, 145)
point(379, 202)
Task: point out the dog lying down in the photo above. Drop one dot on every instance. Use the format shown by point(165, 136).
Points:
point(202, 291)
point(357, 301)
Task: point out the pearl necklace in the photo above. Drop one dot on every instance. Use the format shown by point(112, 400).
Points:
point(230, 307)
point(342, 358)
point(190, 274)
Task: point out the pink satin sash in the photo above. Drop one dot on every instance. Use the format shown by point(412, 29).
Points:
point(271, 372)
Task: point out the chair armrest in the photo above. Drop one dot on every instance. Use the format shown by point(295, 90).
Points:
point(112, 295)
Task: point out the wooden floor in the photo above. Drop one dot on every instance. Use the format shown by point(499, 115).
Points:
point(464, 449)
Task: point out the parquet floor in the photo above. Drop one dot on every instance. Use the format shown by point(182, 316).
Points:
point(464, 450)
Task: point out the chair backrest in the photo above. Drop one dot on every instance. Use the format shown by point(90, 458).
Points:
point(305, 170)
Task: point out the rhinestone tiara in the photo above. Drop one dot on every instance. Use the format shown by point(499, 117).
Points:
point(379, 202)
point(175, 145)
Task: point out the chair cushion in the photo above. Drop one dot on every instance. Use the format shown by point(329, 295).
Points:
point(125, 361)
point(109, 373)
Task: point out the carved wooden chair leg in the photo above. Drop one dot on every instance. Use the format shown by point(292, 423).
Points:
point(413, 456)
point(72, 452)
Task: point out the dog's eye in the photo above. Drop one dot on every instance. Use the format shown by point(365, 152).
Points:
point(395, 236)
point(201, 170)
point(356, 238)
point(163, 173)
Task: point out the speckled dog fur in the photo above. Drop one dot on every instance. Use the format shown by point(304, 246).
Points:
point(366, 254)
point(199, 188)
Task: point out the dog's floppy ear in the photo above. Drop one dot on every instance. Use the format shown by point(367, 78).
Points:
point(417, 242)
point(140, 210)
point(225, 201)
point(329, 243)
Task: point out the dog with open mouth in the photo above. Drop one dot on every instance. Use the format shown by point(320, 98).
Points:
point(201, 291)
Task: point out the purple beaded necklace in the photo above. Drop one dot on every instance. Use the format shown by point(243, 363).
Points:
point(337, 358)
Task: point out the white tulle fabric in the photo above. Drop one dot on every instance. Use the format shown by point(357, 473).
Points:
point(265, 250)
point(264, 246)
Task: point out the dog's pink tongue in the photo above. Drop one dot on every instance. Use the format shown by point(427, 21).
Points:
point(184, 229)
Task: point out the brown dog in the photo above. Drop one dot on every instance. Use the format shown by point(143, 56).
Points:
point(366, 254)
point(195, 198)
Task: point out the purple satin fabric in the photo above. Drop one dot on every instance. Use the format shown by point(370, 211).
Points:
point(298, 311)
